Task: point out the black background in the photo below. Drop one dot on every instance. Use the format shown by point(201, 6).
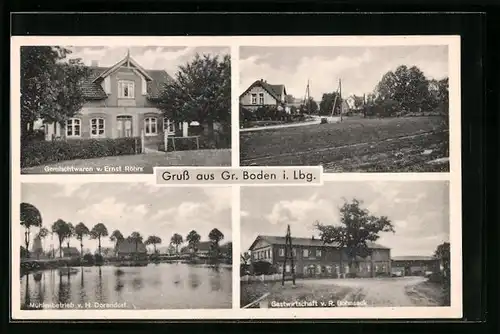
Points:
point(479, 92)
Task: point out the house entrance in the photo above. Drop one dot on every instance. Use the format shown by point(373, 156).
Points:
point(124, 126)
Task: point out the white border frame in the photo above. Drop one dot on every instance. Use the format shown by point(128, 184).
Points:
point(454, 177)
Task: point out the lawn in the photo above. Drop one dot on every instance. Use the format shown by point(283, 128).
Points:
point(303, 291)
point(147, 161)
point(429, 291)
point(370, 145)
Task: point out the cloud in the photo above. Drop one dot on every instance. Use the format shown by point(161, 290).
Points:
point(359, 68)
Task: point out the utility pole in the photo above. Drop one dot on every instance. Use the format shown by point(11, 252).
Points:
point(340, 98)
point(288, 246)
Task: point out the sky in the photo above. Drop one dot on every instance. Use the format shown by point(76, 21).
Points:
point(129, 207)
point(359, 68)
point(419, 211)
point(151, 58)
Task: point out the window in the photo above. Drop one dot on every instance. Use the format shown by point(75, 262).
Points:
point(368, 267)
point(282, 252)
point(261, 98)
point(305, 270)
point(126, 89)
point(294, 252)
point(97, 127)
point(73, 127)
point(329, 269)
point(268, 253)
point(318, 253)
point(254, 98)
point(318, 269)
point(305, 253)
point(150, 126)
point(288, 268)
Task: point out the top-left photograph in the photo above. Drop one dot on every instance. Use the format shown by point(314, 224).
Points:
point(126, 109)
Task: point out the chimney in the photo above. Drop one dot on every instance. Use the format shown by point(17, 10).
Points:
point(94, 63)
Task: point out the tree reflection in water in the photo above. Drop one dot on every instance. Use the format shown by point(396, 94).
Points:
point(119, 283)
point(215, 278)
point(64, 289)
point(27, 300)
point(194, 280)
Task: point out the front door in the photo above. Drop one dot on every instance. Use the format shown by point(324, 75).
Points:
point(124, 126)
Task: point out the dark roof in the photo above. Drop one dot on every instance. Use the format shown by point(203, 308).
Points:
point(93, 90)
point(413, 258)
point(306, 242)
point(273, 90)
point(128, 247)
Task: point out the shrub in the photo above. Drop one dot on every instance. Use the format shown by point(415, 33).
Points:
point(98, 259)
point(263, 268)
point(324, 120)
point(88, 259)
point(36, 153)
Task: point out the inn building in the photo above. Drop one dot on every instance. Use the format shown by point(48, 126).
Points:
point(313, 258)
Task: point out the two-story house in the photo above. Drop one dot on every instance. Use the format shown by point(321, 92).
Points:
point(314, 258)
point(120, 101)
point(261, 94)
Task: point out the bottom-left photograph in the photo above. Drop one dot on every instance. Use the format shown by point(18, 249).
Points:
point(124, 246)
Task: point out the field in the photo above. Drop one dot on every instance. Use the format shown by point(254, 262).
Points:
point(355, 145)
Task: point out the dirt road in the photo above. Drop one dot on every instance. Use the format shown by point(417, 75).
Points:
point(383, 291)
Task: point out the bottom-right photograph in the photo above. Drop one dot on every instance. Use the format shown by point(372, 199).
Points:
point(346, 244)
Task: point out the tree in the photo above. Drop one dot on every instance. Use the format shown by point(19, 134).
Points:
point(97, 232)
point(245, 258)
point(62, 230)
point(408, 87)
point(358, 101)
point(326, 104)
point(176, 240)
point(116, 237)
point(153, 240)
point(442, 253)
point(193, 239)
point(42, 234)
point(289, 98)
point(80, 231)
point(136, 238)
point(215, 236)
point(200, 92)
point(30, 216)
point(71, 233)
point(50, 85)
point(309, 107)
point(357, 227)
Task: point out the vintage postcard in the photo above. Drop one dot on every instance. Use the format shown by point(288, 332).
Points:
point(124, 246)
point(354, 244)
point(123, 109)
point(236, 177)
point(362, 108)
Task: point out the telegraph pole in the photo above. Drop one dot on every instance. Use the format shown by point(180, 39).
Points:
point(288, 246)
point(340, 98)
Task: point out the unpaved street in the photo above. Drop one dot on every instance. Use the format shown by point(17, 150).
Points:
point(382, 291)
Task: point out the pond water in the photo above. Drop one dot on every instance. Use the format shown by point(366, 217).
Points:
point(156, 286)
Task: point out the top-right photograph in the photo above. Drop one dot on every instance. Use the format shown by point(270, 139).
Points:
point(381, 109)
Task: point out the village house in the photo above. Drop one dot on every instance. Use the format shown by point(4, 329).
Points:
point(261, 94)
point(120, 101)
point(414, 265)
point(68, 252)
point(127, 249)
point(314, 258)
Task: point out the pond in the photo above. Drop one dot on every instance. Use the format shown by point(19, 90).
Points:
point(156, 286)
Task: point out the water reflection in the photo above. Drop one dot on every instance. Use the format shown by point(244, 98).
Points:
point(157, 286)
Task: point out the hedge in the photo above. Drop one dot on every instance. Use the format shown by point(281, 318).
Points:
point(44, 152)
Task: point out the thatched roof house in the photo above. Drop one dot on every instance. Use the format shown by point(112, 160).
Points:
point(127, 248)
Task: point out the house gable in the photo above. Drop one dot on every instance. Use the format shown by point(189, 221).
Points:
point(127, 62)
point(275, 92)
point(260, 242)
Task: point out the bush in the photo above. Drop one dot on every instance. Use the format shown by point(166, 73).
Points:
point(88, 259)
point(436, 278)
point(324, 120)
point(263, 268)
point(98, 259)
point(43, 152)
